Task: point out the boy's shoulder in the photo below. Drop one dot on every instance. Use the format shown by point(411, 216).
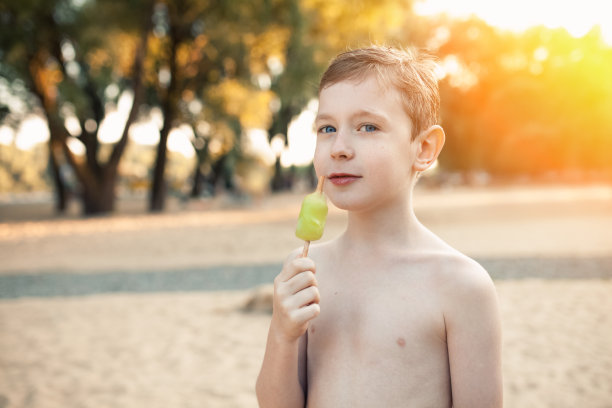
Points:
point(451, 259)
point(455, 262)
point(463, 283)
point(454, 270)
point(463, 272)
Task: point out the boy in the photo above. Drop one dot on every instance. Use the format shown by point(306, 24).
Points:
point(386, 315)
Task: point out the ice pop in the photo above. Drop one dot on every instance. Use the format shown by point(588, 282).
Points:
point(312, 217)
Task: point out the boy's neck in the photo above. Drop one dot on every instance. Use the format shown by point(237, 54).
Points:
point(389, 228)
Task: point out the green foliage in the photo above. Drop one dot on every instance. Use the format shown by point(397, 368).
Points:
point(532, 103)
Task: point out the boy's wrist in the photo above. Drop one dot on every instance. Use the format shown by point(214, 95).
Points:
point(279, 336)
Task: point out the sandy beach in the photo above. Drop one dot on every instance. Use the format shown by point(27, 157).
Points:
point(140, 310)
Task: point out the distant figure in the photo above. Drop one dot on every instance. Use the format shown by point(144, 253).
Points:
point(388, 314)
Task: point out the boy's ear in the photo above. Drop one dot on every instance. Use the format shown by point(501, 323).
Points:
point(429, 144)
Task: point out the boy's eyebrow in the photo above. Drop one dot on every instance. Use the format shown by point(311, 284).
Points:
point(322, 116)
point(363, 112)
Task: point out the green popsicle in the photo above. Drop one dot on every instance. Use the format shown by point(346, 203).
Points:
point(312, 216)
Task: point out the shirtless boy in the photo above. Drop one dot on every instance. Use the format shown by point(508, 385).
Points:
point(388, 314)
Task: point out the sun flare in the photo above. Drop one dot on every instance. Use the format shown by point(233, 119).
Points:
point(577, 17)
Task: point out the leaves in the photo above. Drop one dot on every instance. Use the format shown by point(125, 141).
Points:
point(537, 104)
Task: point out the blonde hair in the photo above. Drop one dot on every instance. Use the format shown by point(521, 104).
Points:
point(411, 72)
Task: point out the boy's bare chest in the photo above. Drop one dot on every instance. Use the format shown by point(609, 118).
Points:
point(385, 335)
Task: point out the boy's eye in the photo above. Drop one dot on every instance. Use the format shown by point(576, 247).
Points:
point(368, 128)
point(327, 129)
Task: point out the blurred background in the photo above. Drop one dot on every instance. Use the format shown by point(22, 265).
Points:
point(153, 156)
point(107, 99)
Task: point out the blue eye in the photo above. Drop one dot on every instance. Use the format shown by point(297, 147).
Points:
point(368, 128)
point(327, 129)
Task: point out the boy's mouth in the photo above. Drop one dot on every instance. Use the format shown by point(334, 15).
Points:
point(342, 179)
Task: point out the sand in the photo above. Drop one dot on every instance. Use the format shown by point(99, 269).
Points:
point(156, 350)
point(183, 349)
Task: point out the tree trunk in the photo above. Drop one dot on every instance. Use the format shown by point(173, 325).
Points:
point(169, 109)
point(158, 188)
point(278, 182)
point(100, 197)
point(62, 192)
point(198, 179)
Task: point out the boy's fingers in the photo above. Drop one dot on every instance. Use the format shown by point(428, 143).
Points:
point(301, 299)
point(300, 281)
point(306, 313)
point(294, 267)
point(307, 296)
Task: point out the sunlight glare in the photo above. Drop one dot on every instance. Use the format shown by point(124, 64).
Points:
point(144, 133)
point(179, 141)
point(75, 146)
point(125, 101)
point(33, 130)
point(256, 143)
point(72, 125)
point(7, 135)
point(576, 17)
point(302, 138)
point(111, 127)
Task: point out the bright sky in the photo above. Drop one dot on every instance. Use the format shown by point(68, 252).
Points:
point(577, 16)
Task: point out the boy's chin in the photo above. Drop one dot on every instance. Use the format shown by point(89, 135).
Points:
point(348, 204)
point(366, 203)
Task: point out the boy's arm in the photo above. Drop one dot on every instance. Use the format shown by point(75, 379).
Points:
point(282, 379)
point(276, 387)
point(473, 332)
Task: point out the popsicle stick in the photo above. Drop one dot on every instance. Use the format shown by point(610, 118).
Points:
point(320, 191)
point(320, 184)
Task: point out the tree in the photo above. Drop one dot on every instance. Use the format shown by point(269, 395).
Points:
point(67, 53)
point(209, 50)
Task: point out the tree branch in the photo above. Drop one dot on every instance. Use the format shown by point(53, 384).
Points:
point(138, 88)
point(89, 140)
point(57, 130)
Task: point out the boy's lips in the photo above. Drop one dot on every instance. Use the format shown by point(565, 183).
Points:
point(342, 179)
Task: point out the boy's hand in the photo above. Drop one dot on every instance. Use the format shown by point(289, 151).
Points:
point(296, 299)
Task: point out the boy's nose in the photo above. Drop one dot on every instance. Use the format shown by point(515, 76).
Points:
point(341, 148)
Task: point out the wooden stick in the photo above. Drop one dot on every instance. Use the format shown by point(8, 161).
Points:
point(320, 184)
point(305, 250)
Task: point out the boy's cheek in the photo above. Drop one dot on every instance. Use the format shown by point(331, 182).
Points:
point(318, 162)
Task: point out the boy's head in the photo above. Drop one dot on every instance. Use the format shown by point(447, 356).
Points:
point(410, 72)
point(376, 126)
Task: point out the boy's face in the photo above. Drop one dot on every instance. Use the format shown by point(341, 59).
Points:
point(364, 145)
